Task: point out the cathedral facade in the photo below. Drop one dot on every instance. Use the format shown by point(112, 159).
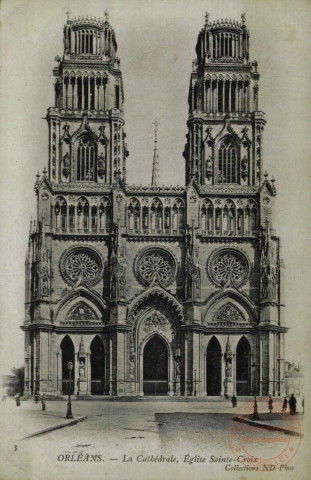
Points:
point(154, 290)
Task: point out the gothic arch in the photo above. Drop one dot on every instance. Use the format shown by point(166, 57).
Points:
point(98, 365)
point(243, 367)
point(213, 367)
point(67, 350)
point(91, 299)
point(155, 296)
point(240, 301)
point(155, 365)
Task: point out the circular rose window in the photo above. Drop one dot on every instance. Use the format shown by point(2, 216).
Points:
point(155, 265)
point(81, 265)
point(228, 266)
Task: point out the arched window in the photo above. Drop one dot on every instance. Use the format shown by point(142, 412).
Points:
point(60, 214)
point(250, 217)
point(167, 219)
point(94, 218)
point(83, 215)
point(71, 218)
point(145, 219)
point(178, 215)
point(229, 218)
point(227, 162)
point(207, 217)
point(86, 160)
point(104, 215)
point(156, 212)
point(134, 215)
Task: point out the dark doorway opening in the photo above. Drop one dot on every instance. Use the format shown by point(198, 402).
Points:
point(213, 368)
point(243, 367)
point(97, 367)
point(155, 367)
point(68, 355)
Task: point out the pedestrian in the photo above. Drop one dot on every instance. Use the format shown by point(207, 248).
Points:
point(18, 400)
point(4, 395)
point(284, 405)
point(303, 404)
point(43, 400)
point(292, 404)
point(234, 401)
point(270, 404)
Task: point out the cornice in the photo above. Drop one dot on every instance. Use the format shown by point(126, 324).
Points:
point(121, 327)
point(272, 328)
point(78, 187)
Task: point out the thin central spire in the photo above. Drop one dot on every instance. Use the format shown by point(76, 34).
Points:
point(155, 167)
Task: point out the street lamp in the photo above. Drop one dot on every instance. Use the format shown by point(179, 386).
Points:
point(69, 412)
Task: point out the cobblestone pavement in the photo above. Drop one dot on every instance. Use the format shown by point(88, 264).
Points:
point(130, 440)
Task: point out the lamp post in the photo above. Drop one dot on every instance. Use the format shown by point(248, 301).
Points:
point(69, 412)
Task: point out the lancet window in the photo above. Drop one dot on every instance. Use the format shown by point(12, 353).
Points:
point(228, 219)
point(83, 215)
point(227, 95)
point(85, 160)
point(134, 215)
point(60, 214)
point(82, 91)
point(227, 162)
point(154, 217)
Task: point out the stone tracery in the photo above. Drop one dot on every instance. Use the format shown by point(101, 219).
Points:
point(155, 265)
point(228, 267)
point(81, 265)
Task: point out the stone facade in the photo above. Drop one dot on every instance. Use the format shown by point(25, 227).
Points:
point(149, 289)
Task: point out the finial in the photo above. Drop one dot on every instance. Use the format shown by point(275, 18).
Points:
point(243, 18)
point(266, 175)
point(106, 15)
point(206, 18)
point(38, 175)
point(44, 172)
point(68, 15)
point(155, 166)
point(272, 179)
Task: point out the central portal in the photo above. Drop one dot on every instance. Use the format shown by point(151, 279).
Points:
point(155, 367)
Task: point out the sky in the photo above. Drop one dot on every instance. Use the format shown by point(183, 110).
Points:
point(156, 45)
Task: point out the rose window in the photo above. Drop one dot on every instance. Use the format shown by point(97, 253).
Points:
point(81, 265)
point(228, 267)
point(155, 265)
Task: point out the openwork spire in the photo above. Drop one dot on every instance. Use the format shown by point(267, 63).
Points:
point(155, 167)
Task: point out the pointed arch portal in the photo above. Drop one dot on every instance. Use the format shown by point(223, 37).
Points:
point(213, 368)
point(97, 367)
point(155, 367)
point(68, 355)
point(243, 367)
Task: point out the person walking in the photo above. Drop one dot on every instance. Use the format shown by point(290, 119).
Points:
point(234, 401)
point(292, 404)
point(284, 405)
point(43, 401)
point(270, 404)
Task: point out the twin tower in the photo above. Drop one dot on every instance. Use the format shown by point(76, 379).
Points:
point(154, 290)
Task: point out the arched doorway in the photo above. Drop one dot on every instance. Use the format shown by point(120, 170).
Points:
point(68, 355)
point(155, 367)
point(97, 367)
point(243, 367)
point(213, 368)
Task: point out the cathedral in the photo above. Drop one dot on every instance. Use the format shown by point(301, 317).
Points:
point(154, 290)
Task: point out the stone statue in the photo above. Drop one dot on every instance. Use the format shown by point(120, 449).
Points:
point(82, 369)
point(131, 369)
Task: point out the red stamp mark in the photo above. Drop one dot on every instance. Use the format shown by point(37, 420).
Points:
point(265, 443)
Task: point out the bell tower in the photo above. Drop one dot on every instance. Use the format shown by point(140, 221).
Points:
point(86, 123)
point(224, 141)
